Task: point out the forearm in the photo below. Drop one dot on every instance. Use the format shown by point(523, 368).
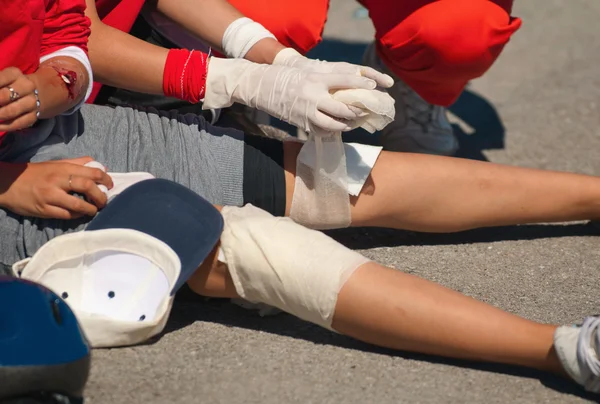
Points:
point(62, 83)
point(123, 61)
point(209, 19)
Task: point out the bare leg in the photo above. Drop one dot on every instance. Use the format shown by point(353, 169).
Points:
point(416, 315)
point(420, 316)
point(444, 194)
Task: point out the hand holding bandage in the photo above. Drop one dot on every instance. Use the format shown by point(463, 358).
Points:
point(325, 177)
point(299, 97)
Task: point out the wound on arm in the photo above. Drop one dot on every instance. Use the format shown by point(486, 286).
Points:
point(69, 76)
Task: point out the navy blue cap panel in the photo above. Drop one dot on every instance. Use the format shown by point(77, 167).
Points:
point(170, 212)
point(37, 328)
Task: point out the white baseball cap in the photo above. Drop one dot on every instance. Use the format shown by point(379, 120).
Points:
point(120, 275)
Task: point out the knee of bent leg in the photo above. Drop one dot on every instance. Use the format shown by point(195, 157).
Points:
point(212, 279)
point(465, 36)
point(454, 41)
point(297, 24)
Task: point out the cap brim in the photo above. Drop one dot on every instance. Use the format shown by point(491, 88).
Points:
point(170, 212)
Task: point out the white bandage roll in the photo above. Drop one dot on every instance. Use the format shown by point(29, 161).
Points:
point(241, 35)
point(275, 261)
point(325, 177)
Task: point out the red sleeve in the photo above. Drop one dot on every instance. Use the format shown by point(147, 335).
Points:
point(65, 25)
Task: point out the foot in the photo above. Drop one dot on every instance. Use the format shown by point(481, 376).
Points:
point(419, 127)
point(578, 349)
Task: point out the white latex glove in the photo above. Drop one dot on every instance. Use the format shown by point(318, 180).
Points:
point(290, 57)
point(299, 97)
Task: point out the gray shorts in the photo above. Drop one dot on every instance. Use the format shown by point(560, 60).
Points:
point(183, 148)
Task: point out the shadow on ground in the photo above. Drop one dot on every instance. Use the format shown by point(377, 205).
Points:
point(365, 238)
point(191, 308)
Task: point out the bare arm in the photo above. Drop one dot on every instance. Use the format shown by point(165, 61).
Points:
point(61, 83)
point(208, 19)
point(123, 61)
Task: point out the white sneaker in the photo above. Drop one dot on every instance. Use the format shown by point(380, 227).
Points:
point(419, 127)
point(578, 349)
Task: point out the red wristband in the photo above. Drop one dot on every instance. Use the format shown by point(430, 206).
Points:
point(185, 75)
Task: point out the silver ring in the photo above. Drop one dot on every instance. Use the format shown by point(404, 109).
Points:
point(70, 179)
point(13, 94)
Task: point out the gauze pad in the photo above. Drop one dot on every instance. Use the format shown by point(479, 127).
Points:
point(321, 194)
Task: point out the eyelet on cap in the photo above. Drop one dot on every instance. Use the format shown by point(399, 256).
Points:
point(64, 295)
point(142, 317)
point(111, 294)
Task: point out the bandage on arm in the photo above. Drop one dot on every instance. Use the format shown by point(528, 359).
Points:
point(184, 75)
point(241, 35)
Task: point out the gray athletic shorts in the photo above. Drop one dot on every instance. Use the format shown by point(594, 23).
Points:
point(183, 148)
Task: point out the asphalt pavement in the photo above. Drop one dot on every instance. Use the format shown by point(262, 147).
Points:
point(539, 106)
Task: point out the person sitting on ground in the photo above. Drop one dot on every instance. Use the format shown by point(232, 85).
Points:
point(332, 286)
point(244, 252)
point(400, 190)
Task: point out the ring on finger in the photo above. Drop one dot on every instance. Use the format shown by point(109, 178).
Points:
point(13, 94)
point(70, 181)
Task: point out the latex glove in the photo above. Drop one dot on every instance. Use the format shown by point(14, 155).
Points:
point(290, 57)
point(299, 97)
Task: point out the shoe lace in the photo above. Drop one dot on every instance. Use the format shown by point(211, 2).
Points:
point(588, 351)
point(417, 109)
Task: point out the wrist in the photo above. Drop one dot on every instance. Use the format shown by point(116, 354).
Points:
point(287, 57)
point(265, 51)
point(184, 75)
point(242, 35)
point(225, 78)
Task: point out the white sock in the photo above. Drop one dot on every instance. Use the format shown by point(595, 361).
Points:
point(565, 344)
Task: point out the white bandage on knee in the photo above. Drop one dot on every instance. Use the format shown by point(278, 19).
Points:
point(274, 261)
point(241, 35)
point(327, 171)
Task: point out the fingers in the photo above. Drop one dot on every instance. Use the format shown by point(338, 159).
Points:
point(328, 123)
point(54, 212)
point(17, 108)
point(74, 206)
point(339, 81)
point(335, 108)
point(22, 122)
point(9, 75)
point(17, 103)
point(95, 174)
point(89, 188)
point(382, 80)
point(21, 86)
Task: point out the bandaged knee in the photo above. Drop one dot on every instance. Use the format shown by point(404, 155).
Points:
point(275, 261)
point(328, 171)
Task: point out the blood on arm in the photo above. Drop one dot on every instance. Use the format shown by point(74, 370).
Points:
point(69, 76)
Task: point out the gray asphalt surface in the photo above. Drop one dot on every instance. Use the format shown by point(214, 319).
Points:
point(537, 107)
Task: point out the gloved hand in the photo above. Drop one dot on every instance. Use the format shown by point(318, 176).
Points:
point(299, 97)
point(290, 57)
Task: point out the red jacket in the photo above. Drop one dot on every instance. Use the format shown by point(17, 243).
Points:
point(30, 29)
